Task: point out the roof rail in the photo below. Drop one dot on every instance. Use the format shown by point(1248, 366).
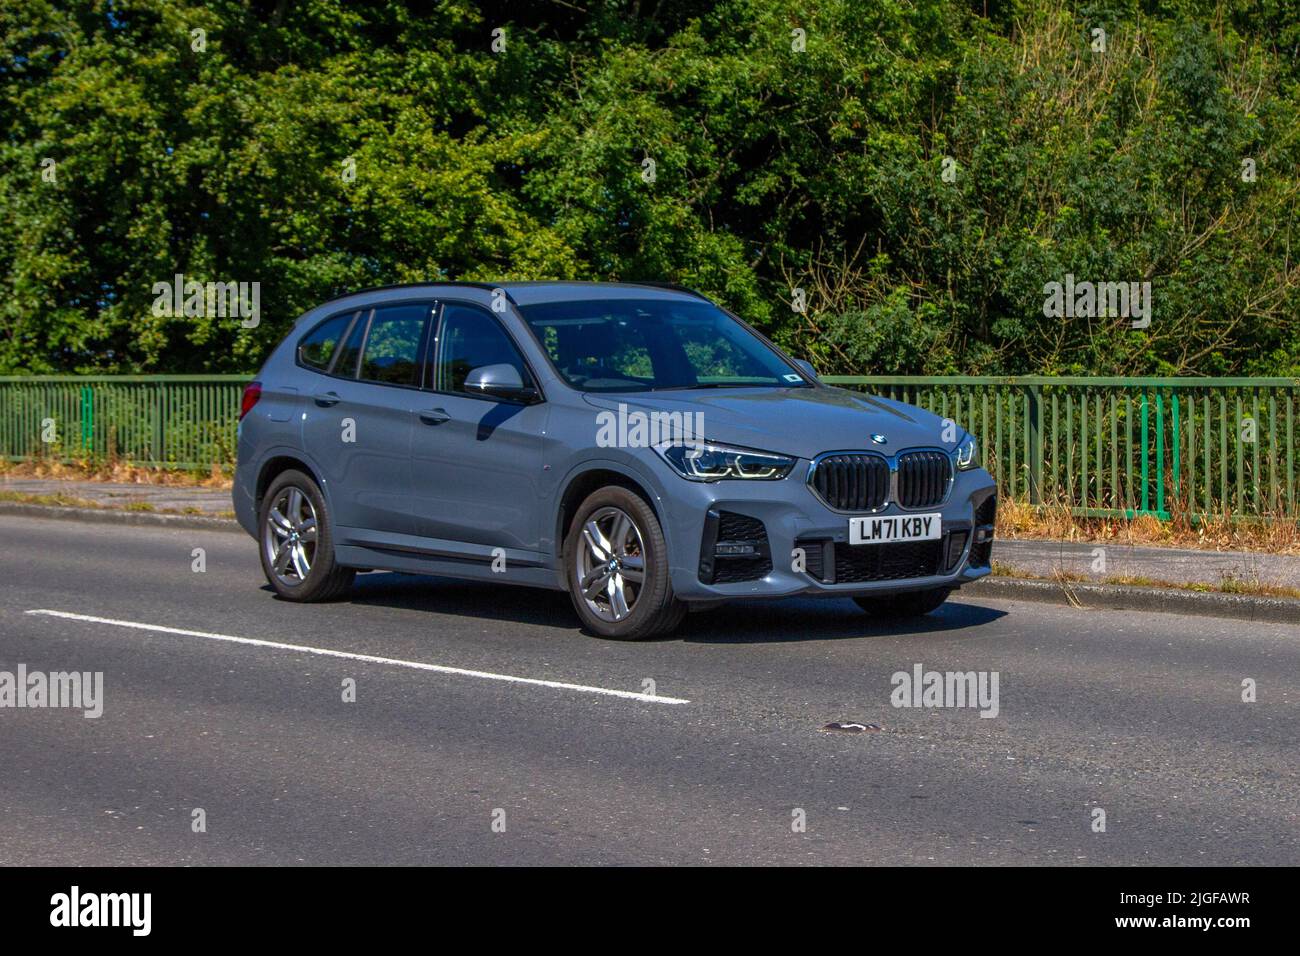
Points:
point(674, 287)
point(413, 285)
point(505, 286)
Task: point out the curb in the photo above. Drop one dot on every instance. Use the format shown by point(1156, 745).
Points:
point(148, 519)
point(1127, 597)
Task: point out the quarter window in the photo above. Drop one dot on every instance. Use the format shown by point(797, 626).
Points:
point(319, 345)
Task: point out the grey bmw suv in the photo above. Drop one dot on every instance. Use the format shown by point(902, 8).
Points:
point(634, 445)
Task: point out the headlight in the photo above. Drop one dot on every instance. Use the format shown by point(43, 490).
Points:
point(706, 461)
point(965, 454)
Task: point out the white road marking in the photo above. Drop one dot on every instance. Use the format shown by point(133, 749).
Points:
point(364, 658)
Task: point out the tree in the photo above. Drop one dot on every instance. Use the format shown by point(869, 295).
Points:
point(921, 171)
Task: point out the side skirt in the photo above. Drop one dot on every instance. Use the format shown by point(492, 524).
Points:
point(474, 568)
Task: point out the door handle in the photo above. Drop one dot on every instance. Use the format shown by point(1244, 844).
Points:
point(434, 416)
point(327, 399)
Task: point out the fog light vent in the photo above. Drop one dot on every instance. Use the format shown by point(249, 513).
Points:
point(956, 545)
point(734, 548)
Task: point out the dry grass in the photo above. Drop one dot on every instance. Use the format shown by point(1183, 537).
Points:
point(116, 471)
point(1228, 585)
point(53, 501)
point(1054, 522)
point(60, 500)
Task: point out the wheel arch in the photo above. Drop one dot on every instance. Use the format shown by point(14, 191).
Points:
point(584, 482)
point(277, 465)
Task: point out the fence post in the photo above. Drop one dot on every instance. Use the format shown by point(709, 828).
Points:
point(1146, 455)
point(1176, 403)
point(159, 397)
point(1160, 453)
point(1035, 399)
point(87, 420)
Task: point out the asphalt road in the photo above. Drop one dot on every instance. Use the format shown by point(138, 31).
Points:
point(1139, 715)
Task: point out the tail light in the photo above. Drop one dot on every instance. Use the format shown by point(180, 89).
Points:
point(252, 392)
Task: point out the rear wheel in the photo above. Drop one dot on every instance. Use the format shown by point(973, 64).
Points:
point(616, 561)
point(297, 543)
point(909, 604)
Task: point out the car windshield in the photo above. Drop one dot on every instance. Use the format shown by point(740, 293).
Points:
point(633, 345)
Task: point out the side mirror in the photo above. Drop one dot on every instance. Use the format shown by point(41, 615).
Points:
point(498, 381)
point(807, 368)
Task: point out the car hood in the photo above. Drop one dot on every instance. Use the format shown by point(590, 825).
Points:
point(793, 421)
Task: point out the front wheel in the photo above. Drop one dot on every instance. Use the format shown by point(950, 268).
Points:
point(297, 542)
point(616, 561)
point(908, 604)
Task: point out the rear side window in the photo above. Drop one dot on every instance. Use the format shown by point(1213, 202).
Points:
point(391, 354)
point(319, 346)
point(350, 351)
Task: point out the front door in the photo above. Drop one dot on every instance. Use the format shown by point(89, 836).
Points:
point(476, 461)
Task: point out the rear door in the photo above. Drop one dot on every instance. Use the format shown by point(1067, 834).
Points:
point(357, 424)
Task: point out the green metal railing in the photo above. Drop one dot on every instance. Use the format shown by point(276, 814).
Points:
point(1124, 446)
point(159, 421)
point(1095, 445)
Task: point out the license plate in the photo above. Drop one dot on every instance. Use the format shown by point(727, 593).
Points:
point(893, 528)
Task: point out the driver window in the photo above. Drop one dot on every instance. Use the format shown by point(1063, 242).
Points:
point(468, 339)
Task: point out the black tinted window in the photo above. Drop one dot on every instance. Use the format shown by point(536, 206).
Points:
point(350, 351)
point(471, 338)
point(628, 345)
point(391, 354)
point(319, 345)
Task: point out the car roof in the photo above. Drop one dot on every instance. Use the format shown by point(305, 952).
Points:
point(537, 292)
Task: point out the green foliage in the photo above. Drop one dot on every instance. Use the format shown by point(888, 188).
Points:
point(820, 169)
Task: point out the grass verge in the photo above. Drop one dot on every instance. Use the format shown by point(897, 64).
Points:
point(1228, 585)
point(1277, 534)
point(71, 501)
point(116, 471)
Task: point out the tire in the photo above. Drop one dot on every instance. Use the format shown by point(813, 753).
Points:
point(308, 572)
point(647, 607)
point(908, 604)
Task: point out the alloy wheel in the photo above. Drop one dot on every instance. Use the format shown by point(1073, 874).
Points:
point(610, 564)
point(290, 535)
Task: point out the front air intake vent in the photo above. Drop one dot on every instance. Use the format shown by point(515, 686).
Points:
point(886, 562)
point(734, 549)
point(986, 516)
point(956, 545)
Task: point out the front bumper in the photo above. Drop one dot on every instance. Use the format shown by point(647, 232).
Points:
point(703, 516)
